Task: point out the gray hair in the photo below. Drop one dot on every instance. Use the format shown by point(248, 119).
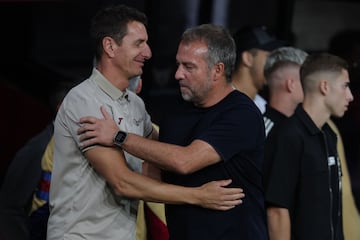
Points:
point(221, 45)
point(283, 56)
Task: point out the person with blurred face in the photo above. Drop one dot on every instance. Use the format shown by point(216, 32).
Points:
point(253, 45)
point(303, 178)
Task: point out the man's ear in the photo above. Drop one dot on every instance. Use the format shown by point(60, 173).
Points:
point(247, 58)
point(323, 87)
point(290, 84)
point(219, 69)
point(109, 46)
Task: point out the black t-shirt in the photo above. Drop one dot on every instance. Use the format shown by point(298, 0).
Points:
point(303, 176)
point(235, 129)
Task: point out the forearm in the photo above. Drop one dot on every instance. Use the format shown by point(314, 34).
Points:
point(278, 223)
point(183, 160)
point(137, 186)
point(213, 195)
point(150, 170)
point(167, 156)
point(110, 163)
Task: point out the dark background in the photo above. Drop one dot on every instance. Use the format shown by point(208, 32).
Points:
point(43, 43)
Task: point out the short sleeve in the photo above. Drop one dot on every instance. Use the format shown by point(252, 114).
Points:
point(237, 130)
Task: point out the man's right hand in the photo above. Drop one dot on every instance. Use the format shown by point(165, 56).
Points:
point(97, 131)
point(215, 195)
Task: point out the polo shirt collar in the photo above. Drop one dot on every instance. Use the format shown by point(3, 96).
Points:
point(274, 114)
point(107, 87)
point(307, 121)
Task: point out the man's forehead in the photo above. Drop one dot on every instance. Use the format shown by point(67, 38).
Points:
point(136, 30)
point(193, 48)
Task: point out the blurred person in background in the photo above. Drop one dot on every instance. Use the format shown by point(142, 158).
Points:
point(253, 45)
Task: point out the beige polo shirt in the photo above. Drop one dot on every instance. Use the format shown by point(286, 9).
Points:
point(82, 205)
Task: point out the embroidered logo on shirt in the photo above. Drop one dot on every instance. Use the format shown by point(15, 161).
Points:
point(120, 119)
point(137, 122)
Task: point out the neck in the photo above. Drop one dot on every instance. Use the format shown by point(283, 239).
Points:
point(215, 96)
point(114, 77)
point(283, 104)
point(316, 111)
point(243, 82)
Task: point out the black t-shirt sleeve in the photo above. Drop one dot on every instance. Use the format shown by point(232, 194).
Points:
point(236, 131)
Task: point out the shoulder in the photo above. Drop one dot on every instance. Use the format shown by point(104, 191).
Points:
point(289, 131)
point(241, 101)
point(245, 108)
point(241, 112)
point(85, 89)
